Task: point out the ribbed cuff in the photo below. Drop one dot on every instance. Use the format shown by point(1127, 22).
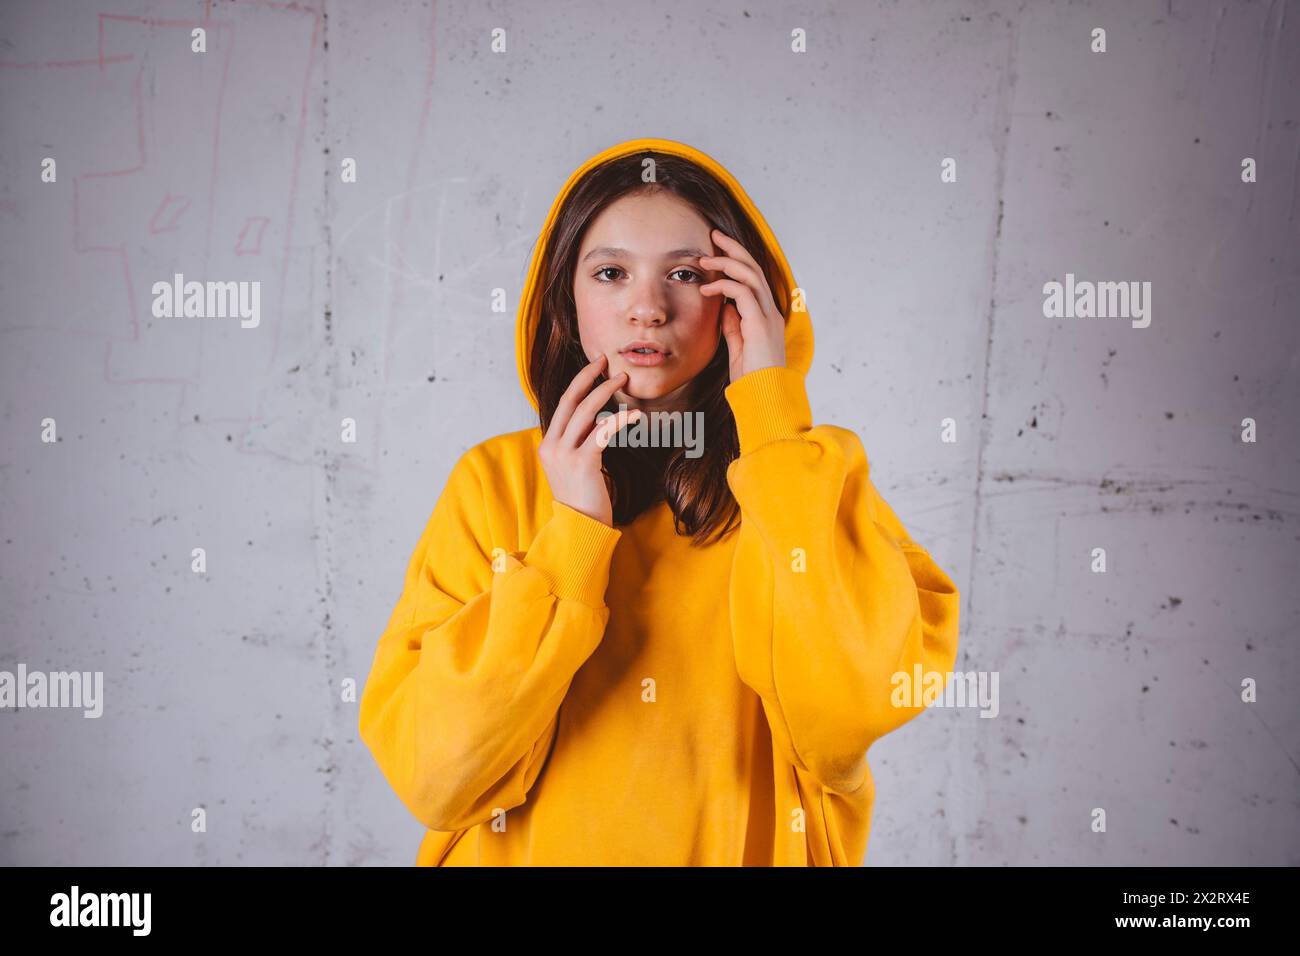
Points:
point(769, 404)
point(574, 551)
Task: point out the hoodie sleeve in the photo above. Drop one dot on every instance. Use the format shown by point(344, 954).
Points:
point(462, 702)
point(829, 595)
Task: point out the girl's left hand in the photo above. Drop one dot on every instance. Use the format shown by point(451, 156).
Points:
point(752, 325)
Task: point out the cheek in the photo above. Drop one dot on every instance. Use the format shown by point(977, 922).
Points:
point(704, 331)
point(593, 323)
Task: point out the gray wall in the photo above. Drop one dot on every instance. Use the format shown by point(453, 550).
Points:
point(1119, 690)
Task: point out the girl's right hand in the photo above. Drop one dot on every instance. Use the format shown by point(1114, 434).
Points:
point(572, 447)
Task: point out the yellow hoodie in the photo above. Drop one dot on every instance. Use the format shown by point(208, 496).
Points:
point(551, 690)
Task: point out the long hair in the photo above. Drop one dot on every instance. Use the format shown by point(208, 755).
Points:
point(641, 477)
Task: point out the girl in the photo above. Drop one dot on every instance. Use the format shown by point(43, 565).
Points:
point(610, 653)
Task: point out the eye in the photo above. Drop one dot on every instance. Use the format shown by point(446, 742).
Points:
point(695, 277)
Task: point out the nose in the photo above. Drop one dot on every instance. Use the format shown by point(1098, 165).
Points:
point(647, 306)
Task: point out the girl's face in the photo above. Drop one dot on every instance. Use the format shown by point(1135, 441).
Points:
point(637, 280)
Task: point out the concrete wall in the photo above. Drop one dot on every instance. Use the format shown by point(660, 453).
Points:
point(1119, 691)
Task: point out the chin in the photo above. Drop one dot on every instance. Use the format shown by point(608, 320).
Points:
point(648, 387)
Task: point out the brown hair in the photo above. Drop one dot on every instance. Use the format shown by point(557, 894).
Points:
point(639, 478)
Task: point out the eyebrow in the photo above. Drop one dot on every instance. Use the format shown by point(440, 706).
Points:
point(615, 251)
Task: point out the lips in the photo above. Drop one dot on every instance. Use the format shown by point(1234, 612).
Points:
point(644, 353)
point(643, 344)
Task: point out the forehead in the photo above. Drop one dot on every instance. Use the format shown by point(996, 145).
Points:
point(644, 219)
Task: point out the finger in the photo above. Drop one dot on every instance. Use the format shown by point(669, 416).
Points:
point(731, 331)
point(573, 394)
point(742, 293)
point(734, 248)
point(584, 416)
point(751, 276)
point(737, 250)
point(600, 435)
point(603, 433)
point(733, 268)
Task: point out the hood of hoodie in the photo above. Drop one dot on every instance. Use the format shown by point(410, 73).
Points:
point(798, 325)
